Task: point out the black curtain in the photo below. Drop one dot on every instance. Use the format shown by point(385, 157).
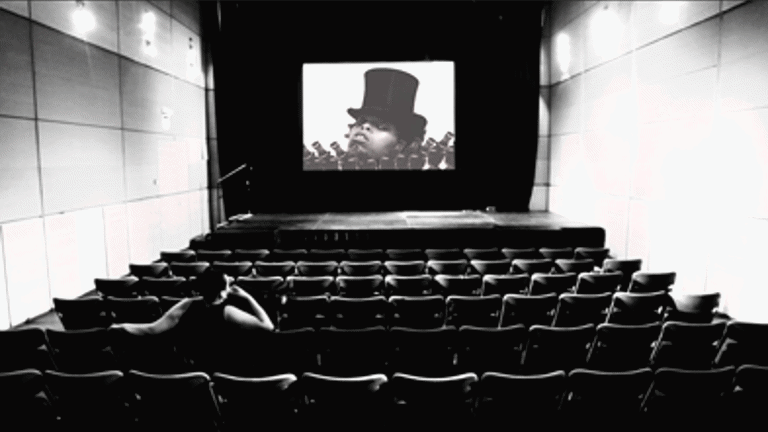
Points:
point(257, 59)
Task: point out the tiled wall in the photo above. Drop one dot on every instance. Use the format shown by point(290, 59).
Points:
point(91, 177)
point(662, 138)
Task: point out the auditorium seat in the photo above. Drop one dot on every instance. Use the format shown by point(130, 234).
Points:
point(360, 286)
point(265, 290)
point(556, 253)
point(692, 398)
point(210, 256)
point(308, 286)
point(233, 268)
point(464, 285)
point(274, 268)
point(496, 267)
point(552, 349)
point(536, 399)
point(159, 287)
point(156, 354)
point(638, 308)
point(401, 162)
point(472, 311)
point(445, 254)
point(295, 255)
point(694, 308)
point(528, 310)
point(344, 403)
point(251, 255)
point(26, 401)
point(419, 285)
point(409, 254)
point(292, 351)
point(687, 346)
point(91, 402)
point(25, 348)
point(404, 268)
point(416, 161)
point(386, 163)
point(483, 349)
point(627, 267)
point(743, 343)
point(522, 253)
point(532, 266)
point(125, 287)
point(488, 254)
point(749, 398)
point(579, 309)
point(360, 268)
point(436, 403)
point(323, 255)
point(607, 397)
point(367, 255)
point(82, 351)
point(427, 352)
point(138, 311)
point(542, 284)
point(596, 254)
point(649, 282)
point(505, 284)
point(598, 283)
point(450, 267)
point(420, 312)
point(303, 312)
point(174, 402)
point(619, 348)
point(185, 255)
point(82, 313)
point(356, 313)
point(189, 270)
point(574, 266)
point(317, 268)
point(269, 402)
point(353, 352)
point(158, 269)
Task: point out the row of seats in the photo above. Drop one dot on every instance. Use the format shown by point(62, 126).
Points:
point(429, 311)
point(393, 284)
point(113, 400)
point(514, 349)
point(411, 254)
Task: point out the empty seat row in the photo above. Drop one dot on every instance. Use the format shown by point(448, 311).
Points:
point(598, 254)
point(513, 349)
point(198, 401)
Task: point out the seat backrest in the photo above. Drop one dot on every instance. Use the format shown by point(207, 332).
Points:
point(301, 312)
point(317, 268)
point(419, 285)
point(408, 254)
point(536, 394)
point(423, 351)
point(453, 267)
point(505, 284)
point(360, 268)
point(185, 255)
point(417, 312)
point(444, 393)
point(556, 253)
point(294, 255)
point(26, 400)
point(490, 253)
point(574, 266)
point(246, 401)
point(25, 348)
point(449, 254)
point(84, 313)
point(251, 255)
point(685, 392)
point(491, 349)
point(90, 401)
point(82, 351)
point(307, 286)
point(528, 310)
point(189, 269)
point(405, 268)
point(117, 287)
point(638, 308)
point(597, 283)
point(627, 267)
point(532, 266)
point(498, 267)
point(274, 268)
point(355, 313)
point(233, 268)
point(597, 254)
point(557, 348)
point(596, 393)
point(213, 255)
point(523, 253)
point(322, 255)
point(459, 285)
point(648, 282)
point(353, 352)
point(366, 255)
point(620, 347)
point(329, 397)
point(360, 286)
point(473, 310)
point(579, 309)
point(552, 283)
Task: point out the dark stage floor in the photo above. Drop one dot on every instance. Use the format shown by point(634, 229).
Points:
point(421, 229)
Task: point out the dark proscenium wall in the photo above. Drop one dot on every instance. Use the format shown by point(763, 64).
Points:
point(258, 56)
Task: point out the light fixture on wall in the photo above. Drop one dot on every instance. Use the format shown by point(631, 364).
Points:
point(563, 53)
point(607, 32)
point(193, 71)
point(669, 13)
point(147, 27)
point(83, 18)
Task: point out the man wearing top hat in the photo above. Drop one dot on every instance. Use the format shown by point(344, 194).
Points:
point(386, 124)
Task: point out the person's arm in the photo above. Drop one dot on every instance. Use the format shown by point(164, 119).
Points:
point(163, 324)
point(253, 307)
point(246, 321)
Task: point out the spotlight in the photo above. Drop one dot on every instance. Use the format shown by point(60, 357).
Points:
point(606, 32)
point(83, 19)
point(563, 52)
point(148, 23)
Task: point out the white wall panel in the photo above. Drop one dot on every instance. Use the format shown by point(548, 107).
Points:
point(26, 269)
point(16, 97)
point(19, 179)
point(116, 239)
point(59, 15)
point(5, 321)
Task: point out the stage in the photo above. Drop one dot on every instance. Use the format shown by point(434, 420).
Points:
point(406, 229)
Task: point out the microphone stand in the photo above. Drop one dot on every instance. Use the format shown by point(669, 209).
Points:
point(227, 177)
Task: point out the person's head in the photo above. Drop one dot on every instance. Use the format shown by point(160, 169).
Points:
point(210, 284)
point(378, 137)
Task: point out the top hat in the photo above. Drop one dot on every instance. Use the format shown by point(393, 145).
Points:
point(390, 95)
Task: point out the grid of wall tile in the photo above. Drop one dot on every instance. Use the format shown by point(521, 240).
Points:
point(104, 137)
point(659, 133)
